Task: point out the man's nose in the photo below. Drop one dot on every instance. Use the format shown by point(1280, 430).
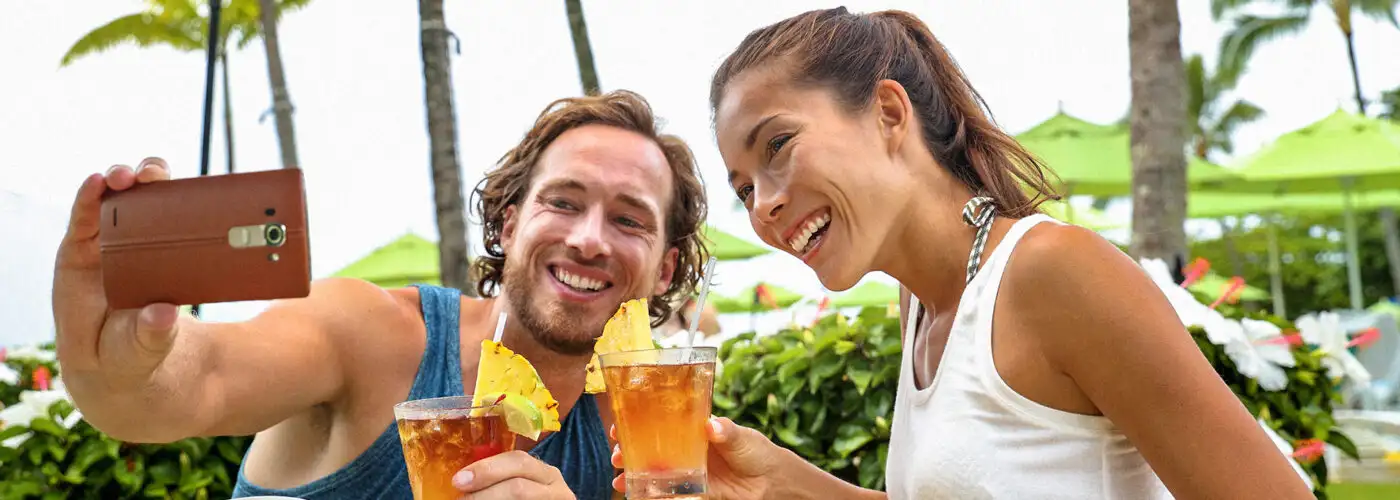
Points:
point(587, 236)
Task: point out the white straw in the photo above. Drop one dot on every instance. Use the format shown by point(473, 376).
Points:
point(700, 303)
point(500, 328)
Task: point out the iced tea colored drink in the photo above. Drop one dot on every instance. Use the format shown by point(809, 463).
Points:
point(661, 399)
point(440, 437)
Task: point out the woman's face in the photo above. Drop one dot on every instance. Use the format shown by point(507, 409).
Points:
point(820, 182)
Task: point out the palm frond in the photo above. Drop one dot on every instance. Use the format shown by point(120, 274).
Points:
point(1240, 113)
point(249, 19)
point(1249, 33)
point(1195, 88)
point(1380, 10)
point(1218, 8)
point(142, 29)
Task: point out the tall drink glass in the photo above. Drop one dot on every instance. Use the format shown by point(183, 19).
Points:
point(440, 436)
point(661, 399)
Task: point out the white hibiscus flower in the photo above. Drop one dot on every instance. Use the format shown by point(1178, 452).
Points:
point(1219, 329)
point(1260, 353)
point(32, 353)
point(1325, 331)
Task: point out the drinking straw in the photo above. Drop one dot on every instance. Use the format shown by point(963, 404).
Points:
point(500, 328)
point(700, 304)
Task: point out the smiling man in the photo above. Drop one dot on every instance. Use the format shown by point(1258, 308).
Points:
point(593, 207)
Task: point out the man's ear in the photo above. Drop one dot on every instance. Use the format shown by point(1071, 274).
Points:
point(508, 229)
point(894, 112)
point(666, 271)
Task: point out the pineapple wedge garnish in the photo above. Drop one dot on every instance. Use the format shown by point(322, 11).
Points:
point(502, 371)
point(628, 330)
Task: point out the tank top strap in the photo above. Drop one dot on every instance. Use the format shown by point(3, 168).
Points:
point(581, 452)
point(440, 371)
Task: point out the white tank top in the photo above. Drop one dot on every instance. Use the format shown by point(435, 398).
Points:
point(969, 436)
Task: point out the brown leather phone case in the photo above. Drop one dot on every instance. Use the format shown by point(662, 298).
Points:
point(206, 240)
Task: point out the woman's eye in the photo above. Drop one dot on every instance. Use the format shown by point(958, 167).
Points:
point(744, 192)
point(776, 144)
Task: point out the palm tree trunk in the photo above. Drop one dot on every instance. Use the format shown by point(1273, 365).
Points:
point(1355, 73)
point(453, 257)
point(228, 112)
point(1232, 252)
point(1392, 246)
point(281, 100)
point(1158, 131)
point(583, 50)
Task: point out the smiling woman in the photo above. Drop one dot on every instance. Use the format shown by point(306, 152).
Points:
point(1038, 361)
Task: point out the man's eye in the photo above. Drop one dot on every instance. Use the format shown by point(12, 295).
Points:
point(561, 204)
point(629, 222)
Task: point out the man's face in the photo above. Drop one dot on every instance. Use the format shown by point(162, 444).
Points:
point(588, 235)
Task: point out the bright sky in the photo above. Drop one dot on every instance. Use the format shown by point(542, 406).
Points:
point(355, 77)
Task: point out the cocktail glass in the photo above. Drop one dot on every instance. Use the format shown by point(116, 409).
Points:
point(661, 400)
point(440, 436)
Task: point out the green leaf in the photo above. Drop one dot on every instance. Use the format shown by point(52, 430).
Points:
point(48, 426)
point(1343, 443)
point(12, 432)
point(850, 437)
point(861, 378)
point(721, 401)
point(164, 473)
point(844, 346)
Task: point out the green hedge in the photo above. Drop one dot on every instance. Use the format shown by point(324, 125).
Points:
point(57, 461)
point(827, 392)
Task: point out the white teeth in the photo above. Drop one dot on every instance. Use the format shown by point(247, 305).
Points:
point(799, 241)
point(578, 282)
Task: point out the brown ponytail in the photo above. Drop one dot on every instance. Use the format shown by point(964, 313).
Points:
point(849, 53)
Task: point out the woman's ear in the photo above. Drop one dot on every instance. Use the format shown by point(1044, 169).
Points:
point(894, 113)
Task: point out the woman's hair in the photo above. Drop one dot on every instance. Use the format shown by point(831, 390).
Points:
point(508, 184)
point(850, 53)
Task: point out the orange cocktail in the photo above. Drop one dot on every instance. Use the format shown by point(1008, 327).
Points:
point(661, 400)
point(440, 436)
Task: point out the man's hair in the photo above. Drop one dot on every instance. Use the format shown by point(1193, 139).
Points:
point(509, 182)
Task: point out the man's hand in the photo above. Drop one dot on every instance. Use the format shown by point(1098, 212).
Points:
point(510, 475)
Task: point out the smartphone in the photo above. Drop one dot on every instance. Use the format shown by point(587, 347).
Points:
point(204, 240)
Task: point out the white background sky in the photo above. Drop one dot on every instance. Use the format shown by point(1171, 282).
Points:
point(355, 77)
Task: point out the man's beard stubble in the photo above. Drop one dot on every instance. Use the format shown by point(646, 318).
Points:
point(561, 330)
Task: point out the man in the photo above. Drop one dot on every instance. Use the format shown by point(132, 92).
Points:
point(590, 209)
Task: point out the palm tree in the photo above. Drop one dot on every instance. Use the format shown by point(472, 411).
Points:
point(281, 99)
point(1390, 104)
point(1158, 131)
point(1251, 31)
point(178, 24)
point(453, 257)
point(1212, 120)
point(583, 50)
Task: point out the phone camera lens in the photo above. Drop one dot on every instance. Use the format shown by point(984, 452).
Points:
point(274, 234)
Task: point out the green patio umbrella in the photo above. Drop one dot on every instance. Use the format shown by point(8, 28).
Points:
point(872, 293)
point(747, 301)
point(1090, 218)
point(1094, 159)
point(1343, 153)
point(725, 246)
point(405, 261)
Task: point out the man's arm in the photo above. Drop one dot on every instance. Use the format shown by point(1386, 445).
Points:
point(240, 378)
point(1100, 320)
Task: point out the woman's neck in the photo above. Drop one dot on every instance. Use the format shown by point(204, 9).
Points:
point(928, 253)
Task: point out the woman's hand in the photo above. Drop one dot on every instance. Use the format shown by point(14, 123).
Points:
point(742, 462)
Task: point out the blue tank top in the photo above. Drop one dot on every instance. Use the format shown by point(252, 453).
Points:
point(580, 449)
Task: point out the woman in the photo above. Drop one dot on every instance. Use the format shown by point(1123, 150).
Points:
point(1039, 361)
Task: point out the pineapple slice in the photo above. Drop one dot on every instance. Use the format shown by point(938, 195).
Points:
point(628, 330)
point(502, 371)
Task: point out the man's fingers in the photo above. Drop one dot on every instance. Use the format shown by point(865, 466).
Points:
point(620, 483)
point(612, 432)
point(617, 457)
point(499, 468)
point(152, 169)
point(120, 177)
point(87, 208)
